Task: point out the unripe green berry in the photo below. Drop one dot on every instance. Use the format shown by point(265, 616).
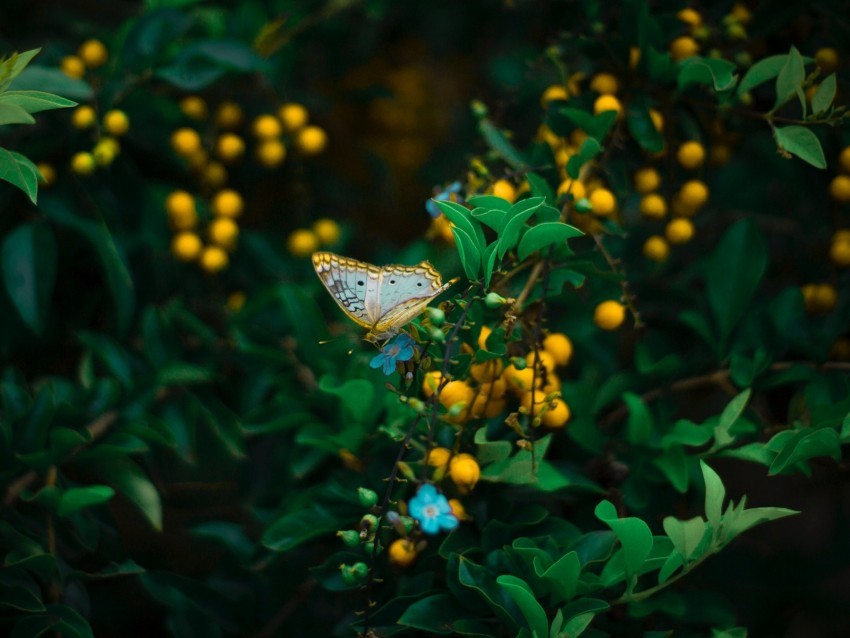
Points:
point(494, 300)
point(369, 522)
point(583, 205)
point(437, 316)
point(360, 570)
point(417, 405)
point(437, 335)
point(370, 547)
point(349, 537)
point(368, 498)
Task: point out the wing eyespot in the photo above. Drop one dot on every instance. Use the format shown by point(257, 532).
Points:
point(360, 283)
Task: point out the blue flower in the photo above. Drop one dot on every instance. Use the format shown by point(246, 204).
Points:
point(450, 192)
point(432, 510)
point(398, 349)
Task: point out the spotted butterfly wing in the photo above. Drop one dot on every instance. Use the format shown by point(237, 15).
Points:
point(384, 299)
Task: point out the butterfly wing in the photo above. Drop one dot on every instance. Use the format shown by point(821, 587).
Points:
point(403, 293)
point(353, 284)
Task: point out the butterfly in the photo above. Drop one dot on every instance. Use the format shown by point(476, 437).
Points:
point(382, 299)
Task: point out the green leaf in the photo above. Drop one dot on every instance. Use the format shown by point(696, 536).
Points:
point(715, 493)
point(14, 114)
point(807, 444)
point(743, 521)
point(355, 396)
point(639, 426)
point(128, 478)
point(520, 213)
point(730, 415)
point(181, 373)
point(490, 217)
point(458, 215)
point(633, 533)
point(19, 171)
point(291, 530)
point(489, 260)
point(642, 127)
point(13, 66)
point(532, 611)
point(35, 101)
point(687, 536)
point(201, 63)
point(825, 94)
point(52, 80)
point(540, 187)
point(802, 142)
point(562, 576)
point(590, 148)
point(714, 72)
point(762, 71)
point(734, 272)
point(596, 126)
point(77, 498)
point(543, 235)
point(470, 256)
point(29, 272)
point(19, 591)
point(490, 202)
point(790, 78)
point(438, 614)
point(497, 141)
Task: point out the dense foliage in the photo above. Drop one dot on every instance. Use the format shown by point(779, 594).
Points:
point(641, 219)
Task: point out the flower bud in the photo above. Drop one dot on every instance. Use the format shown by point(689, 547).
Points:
point(494, 300)
point(437, 335)
point(368, 498)
point(437, 316)
point(367, 524)
point(349, 537)
point(417, 405)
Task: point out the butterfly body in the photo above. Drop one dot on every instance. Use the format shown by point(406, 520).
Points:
point(381, 299)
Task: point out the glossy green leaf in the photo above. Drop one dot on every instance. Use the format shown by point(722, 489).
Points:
point(807, 444)
point(634, 535)
point(35, 101)
point(790, 77)
point(531, 610)
point(355, 395)
point(762, 71)
point(714, 72)
point(128, 478)
point(291, 530)
point(545, 235)
point(590, 148)
point(687, 536)
point(54, 81)
point(19, 171)
point(28, 256)
point(639, 425)
point(519, 214)
point(802, 142)
point(730, 415)
point(825, 94)
point(715, 493)
point(749, 518)
point(14, 65)
point(458, 215)
point(77, 498)
point(641, 126)
point(467, 249)
point(14, 114)
point(488, 202)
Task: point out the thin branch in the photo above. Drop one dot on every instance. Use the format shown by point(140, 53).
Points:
point(616, 267)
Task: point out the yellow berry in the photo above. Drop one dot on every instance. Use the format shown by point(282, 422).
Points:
point(844, 159)
point(827, 59)
point(647, 180)
point(681, 209)
point(271, 152)
point(48, 173)
point(839, 188)
point(657, 119)
point(457, 509)
point(741, 13)
point(180, 207)
point(116, 122)
point(327, 230)
point(689, 16)
point(456, 392)
point(293, 116)
point(227, 203)
point(402, 552)
point(311, 140)
point(486, 331)
point(634, 57)
point(574, 187)
point(603, 202)
point(104, 152)
point(83, 117)
point(819, 298)
point(228, 115)
point(679, 231)
point(266, 126)
point(609, 315)
point(563, 154)
point(839, 253)
point(504, 189)
point(656, 248)
point(302, 242)
point(83, 163)
point(73, 66)
point(554, 92)
point(577, 137)
point(186, 246)
point(519, 380)
point(93, 53)
point(494, 389)
point(487, 371)
point(464, 471)
point(540, 403)
point(215, 175)
point(653, 206)
point(683, 47)
point(431, 382)
point(607, 103)
point(438, 456)
point(557, 415)
point(560, 347)
point(194, 107)
point(214, 259)
point(185, 141)
point(547, 361)
point(694, 193)
point(604, 83)
point(229, 147)
point(691, 155)
point(223, 232)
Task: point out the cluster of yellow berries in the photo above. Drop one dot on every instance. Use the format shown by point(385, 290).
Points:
point(839, 187)
point(113, 125)
point(819, 298)
point(222, 230)
point(484, 395)
point(90, 55)
point(303, 242)
point(687, 46)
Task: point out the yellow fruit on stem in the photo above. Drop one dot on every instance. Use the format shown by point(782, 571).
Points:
point(83, 163)
point(691, 155)
point(293, 116)
point(230, 147)
point(73, 66)
point(553, 92)
point(464, 471)
point(267, 126)
point(560, 347)
point(683, 47)
point(214, 259)
point(679, 231)
point(431, 382)
point(302, 242)
point(402, 552)
point(656, 248)
point(186, 246)
point(180, 207)
point(557, 415)
point(604, 83)
point(844, 159)
point(93, 53)
point(609, 315)
point(83, 117)
point(311, 140)
point(116, 122)
point(839, 253)
point(438, 457)
point(603, 202)
point(607, 103)
point(194, 107)
point(694, 194)
point(827, 59)
point(456, 393)
point(839, 188)
point(271, 152)
point(653, 206)
point(504, 189)
point(227, 203)
point(185, 141)
point(546, 359)
point(647, 180)
point(223, 232)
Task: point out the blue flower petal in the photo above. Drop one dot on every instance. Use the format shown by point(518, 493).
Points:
point(377, 361)
point(447, 521)
point(429, 525)
point(415, 508)
point(427, 494)
point(389, 365)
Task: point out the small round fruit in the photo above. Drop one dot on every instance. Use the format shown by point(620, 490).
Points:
point(839, 188)
point(271, 152)
point(844, 159)
point(73, 66)
point(691, 155)
point(518, 380)
point(431, 382)
point(557, 415)
point(656, 248)
point(227, 203)
point(609, 315)
point(546, 360)
point(694, 193)
point(327, 230)
point(293, 116)
point(186, 246)
point(839, 253)
point(180, 207)
point(560, 347)
point(574, 187)
point(657, 120)
point(230, 147)
point(311, 140)
point(690, 16)
point(185, 141)
point(302, 242)
point(683, 47)
point(193, 107)
point(267, 126)
point(464, 471)
point(504, 189)
point(402, 552)
point(554, 92)
point(540, 403)
point(93, 53)
point(104, 151)
point(604, 83)
point(827, 59)
point(487, 371)
point(83, 163)
point(679, 231)
point(214, 175)
point(603, 202)
point(607, 103)
point(48, 173)
point(228, 115)
point(116, 122)
point(223, 232)
point(83, 117)
point(653, 206)
point(438, 456)
point(214, 259)
point(647, 180)
point(456, 392)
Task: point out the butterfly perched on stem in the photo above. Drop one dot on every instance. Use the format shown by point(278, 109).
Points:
point(382, 299)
